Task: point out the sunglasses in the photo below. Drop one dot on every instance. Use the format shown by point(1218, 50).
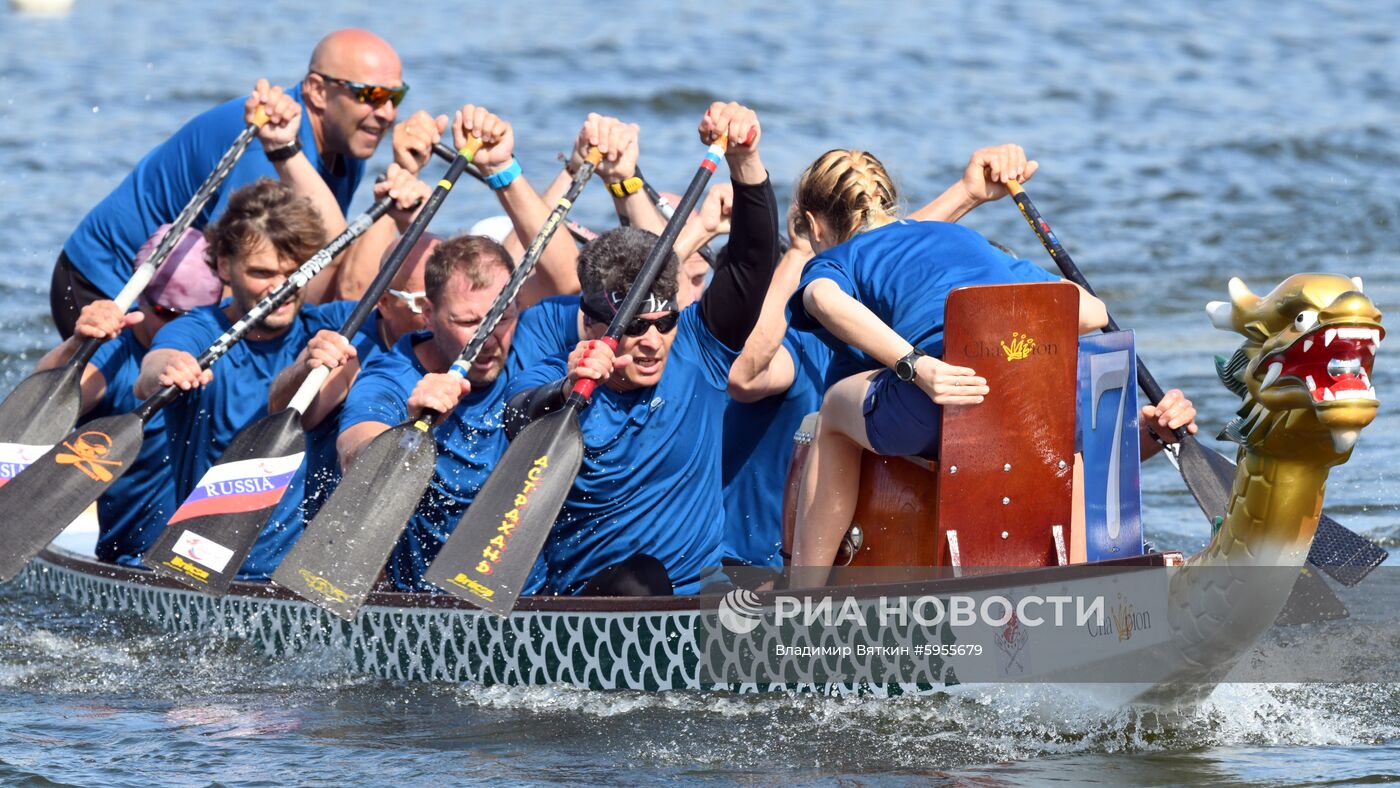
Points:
point(640, 325)
point(410, 299)
point(374, 95)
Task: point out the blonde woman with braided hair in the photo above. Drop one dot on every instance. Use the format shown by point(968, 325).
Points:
point(874, 293)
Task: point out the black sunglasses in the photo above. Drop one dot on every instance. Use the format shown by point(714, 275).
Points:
point(640, 325)
point(365, 93)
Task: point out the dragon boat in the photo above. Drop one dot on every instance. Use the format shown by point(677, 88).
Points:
point(1008, 584)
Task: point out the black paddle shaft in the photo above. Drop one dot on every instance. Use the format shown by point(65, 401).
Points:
point(656, 260)
point(1071, 272)
point(580, 233)
point(270, 303)
point(664, 206)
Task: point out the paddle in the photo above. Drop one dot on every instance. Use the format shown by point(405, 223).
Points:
point(44, 498)
point(46, 405)
point(338, 558)
point(1345, 555)
point(490, 553)
point(263, 458)
point(664, 207)
point(580, 233)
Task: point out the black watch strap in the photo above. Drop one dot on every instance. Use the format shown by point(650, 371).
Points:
point(904, 368)
point(283, 153)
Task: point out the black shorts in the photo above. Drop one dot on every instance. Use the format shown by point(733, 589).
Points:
point(69, 292)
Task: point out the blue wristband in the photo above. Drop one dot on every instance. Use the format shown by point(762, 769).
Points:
point(505, 177)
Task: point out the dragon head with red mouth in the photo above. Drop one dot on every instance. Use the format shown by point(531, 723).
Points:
point(1304, 371)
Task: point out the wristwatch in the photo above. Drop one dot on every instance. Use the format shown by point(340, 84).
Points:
point(285, 152)
point(904, 368)
point(626, 187)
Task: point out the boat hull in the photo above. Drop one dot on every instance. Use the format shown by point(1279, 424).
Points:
point(682, 643)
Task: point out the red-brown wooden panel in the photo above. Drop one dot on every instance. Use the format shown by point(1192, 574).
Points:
point(1006, 465)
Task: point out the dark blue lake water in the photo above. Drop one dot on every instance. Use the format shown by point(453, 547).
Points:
point(1178, 147)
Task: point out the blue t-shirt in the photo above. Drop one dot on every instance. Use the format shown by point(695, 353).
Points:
point(203, 421)
point(106, 241)
point(903, 272)
point(133, 511)
point(470, 441)
point(650, 480)
point(547, 328)
point(315, 480)
point(757, 450)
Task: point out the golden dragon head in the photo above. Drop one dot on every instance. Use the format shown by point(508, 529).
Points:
point(1304, 370)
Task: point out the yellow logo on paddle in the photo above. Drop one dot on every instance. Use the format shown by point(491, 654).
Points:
point(322, 586)
point(88, 449)
point(1021, 347)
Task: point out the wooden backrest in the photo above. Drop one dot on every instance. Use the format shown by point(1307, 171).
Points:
point(1006, 465)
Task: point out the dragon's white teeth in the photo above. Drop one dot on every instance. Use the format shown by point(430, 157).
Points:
point(1354, 394)
point(1328, 395)
point(1343, 440)
point(1307, 345)
point(1328, 337)
point(1275, 369)
point(1311, 385)
point(1354, 333)
point(1375, 336)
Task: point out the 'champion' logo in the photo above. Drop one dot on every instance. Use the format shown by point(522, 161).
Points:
point(739, 611)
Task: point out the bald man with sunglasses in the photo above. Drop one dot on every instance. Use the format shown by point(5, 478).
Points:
point(349, 99)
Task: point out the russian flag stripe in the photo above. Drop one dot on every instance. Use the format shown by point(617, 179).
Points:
point(15, 457)
point(243, 486)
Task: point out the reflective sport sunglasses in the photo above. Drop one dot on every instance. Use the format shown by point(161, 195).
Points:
point(163, 312)
point(410, 299)
point(374, 95)
point(640, 325)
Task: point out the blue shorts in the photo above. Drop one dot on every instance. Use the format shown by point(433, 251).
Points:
point(900, 419)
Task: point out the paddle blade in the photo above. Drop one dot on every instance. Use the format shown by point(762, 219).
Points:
point(490, 553)
point(40, 502)
point(337, 560)
point(212, 532)
point(1340, 552)
point(42, 408)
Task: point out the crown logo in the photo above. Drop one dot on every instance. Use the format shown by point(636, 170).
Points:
point(1021, 346)
point(1123, 619)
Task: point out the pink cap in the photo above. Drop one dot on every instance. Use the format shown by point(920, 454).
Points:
point(184, 281)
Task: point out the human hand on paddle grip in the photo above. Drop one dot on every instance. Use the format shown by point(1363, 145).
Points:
point(408, 192)
point(413, 140)
point(327, 349)
point(497, 137)
point(283, 115)
point(740, 124)
point(439, 392)
point(1172, 413)
point(617, 141)
point(593, 359)
point(947, 384)
point(182, 371)
point(104, 320)
point(989, 169)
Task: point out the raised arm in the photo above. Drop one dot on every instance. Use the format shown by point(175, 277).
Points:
point(730, 306)
point(765, 368)
point(983, 181)
point(557, 272)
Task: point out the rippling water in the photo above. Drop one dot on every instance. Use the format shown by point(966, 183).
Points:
point(1178, 147)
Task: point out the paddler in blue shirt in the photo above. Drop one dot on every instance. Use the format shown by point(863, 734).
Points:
point(133, 511)
point(350, 94)
point(644, 515)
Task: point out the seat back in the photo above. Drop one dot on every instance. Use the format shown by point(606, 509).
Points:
point(1005, 475)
